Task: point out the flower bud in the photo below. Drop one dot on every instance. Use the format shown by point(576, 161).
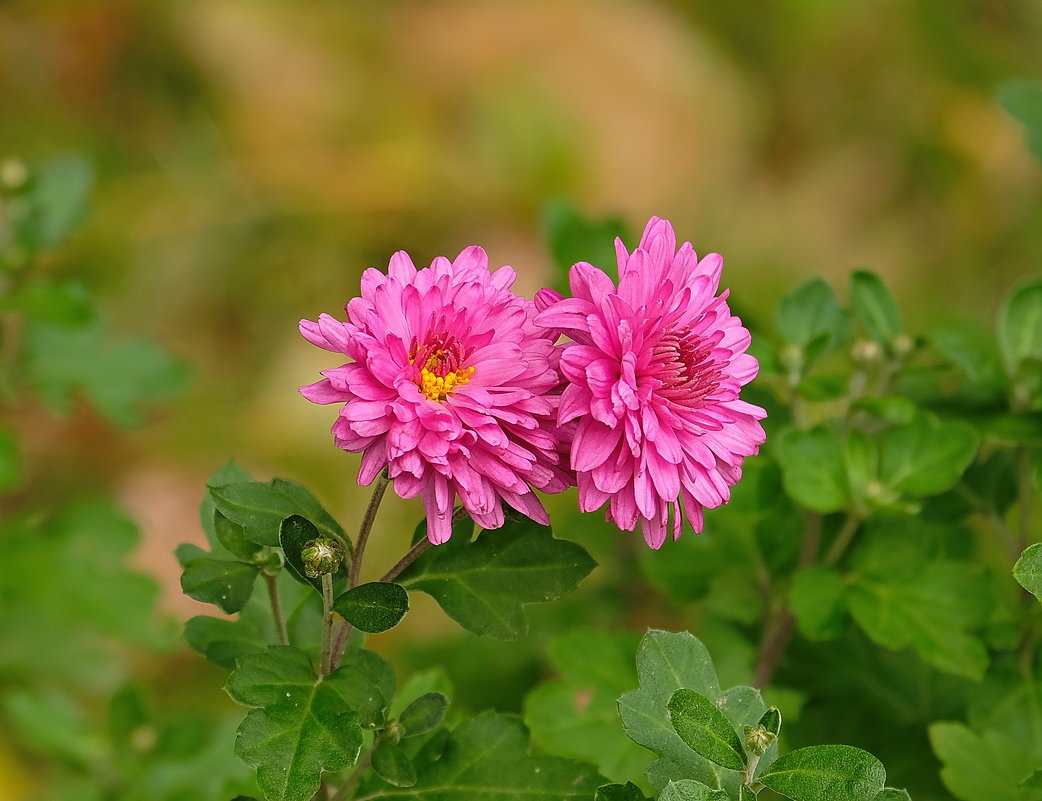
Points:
point(865, 353)
point(393, 733)
point(791, 358)
point(758, 740)
point(13, 173)
point(321, 556)
point(903, 345)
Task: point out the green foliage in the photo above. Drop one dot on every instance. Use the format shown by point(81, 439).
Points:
point(810, 317)
point(1023, 100)
point(225, 584)
point(577, 715)
point(690, 790)
point(834, 772)
point(1028, 570)
point(487, 758)
point(874, 307)
point(373, 607)
point(703, 727)
point(424, 714)
point(484, 584)
point(301, 726)
point(574, 238)
point(260, 508)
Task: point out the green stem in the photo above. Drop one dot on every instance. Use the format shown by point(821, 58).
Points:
point(366, 528)
point(276, 608)
point(1024, 498)
point(327, 624)
point(406, 560)
point(843, 539)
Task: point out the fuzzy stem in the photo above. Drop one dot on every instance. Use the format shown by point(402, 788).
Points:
point(327, 624)
point(276, 608)
point(366, 528)
point(407, 560)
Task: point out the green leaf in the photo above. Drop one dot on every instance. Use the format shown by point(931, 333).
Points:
point(690, 790)
point(1028, 570)
point(1031, 787)
point(260, 508)
point(813, 468)
point(620, 792)
point(932, 607)
point(874, 307)
point(394, 765)
point(666, 663)
point(833, 772)
point(483, 585)
point(1020, 327)
point(926, 456)
point(861, 458)
point(294, 533)
point(424, 714)
point(224, 641)
point(487, 758)
point(117, 378)
point(890, 794)
point(810, 315)
point(59, 198)
point(52, 723)
point(232, 537)
point(702, 725)
point(373, 607)
point(227, 585)
point(302, 725)
point(986, 767)
point(1022, 99)
point(577, 715)
point(816, 598)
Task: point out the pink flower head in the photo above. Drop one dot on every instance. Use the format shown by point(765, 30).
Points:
point(449, 388)
point(654, 370)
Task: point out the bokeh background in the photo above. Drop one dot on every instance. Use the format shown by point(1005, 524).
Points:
point(251, 157)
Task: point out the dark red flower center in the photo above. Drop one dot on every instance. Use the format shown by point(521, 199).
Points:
point(441, 362)
point(684, 363)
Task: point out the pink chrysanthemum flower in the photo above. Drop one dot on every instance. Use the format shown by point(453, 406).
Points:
point(449, 389)
point(654, 370)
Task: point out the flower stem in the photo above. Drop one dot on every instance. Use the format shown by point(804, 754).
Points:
point(406, 560)
point(843, 539)
point(276, 608)
point(327, 624)
point(1024, 498)
point(366, 527)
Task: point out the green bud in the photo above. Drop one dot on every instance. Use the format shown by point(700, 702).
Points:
point(393, 733)
point(758, 740)
point(771, 720)
point(791, 358)
point(321, 556)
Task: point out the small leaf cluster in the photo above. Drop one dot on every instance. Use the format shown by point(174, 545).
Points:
point(318, 717)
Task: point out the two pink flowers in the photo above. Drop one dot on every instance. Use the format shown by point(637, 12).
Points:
point(462, 390)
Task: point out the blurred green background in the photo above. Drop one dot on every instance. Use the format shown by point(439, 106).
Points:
point(251, 157)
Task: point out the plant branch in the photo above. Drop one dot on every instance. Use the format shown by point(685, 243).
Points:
point(406, 560)
point(327, 624)
point(1024, 498)
point(367, 526)
point(843, 539)
point(276, 608)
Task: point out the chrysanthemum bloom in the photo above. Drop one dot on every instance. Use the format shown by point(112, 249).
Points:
point(451, 388)
point(654, 370)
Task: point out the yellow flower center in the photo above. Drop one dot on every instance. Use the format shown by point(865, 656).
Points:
point(437, 387)
point(442, 357)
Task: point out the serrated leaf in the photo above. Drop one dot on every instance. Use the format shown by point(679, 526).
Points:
point(933, 609)
point(424, 714)
point(690, 790)
point(813, 468)
point(302, 725)
point(926, 456)
point(227, 585)
point(394, 765)
point(701, 725)
point(483, 585)
point(117, 378)
point(1028, 570)
point(986, 767)
point(487, 758)
point(620, 792)
point(260, 508)
point(835, 772)
point(577, 715)
point(809, 313)
point(224, 641)
point(373, 607)
point(816, 598)
point(1020, 327)
point(666, 663)
point(874, 307)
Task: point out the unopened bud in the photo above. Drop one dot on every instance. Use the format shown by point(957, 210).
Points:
point(13, 173)
point(865, 352)
point(321, 556)
point(791, 358)
point(758, 740)
point(902, 345)
point(393, 733)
